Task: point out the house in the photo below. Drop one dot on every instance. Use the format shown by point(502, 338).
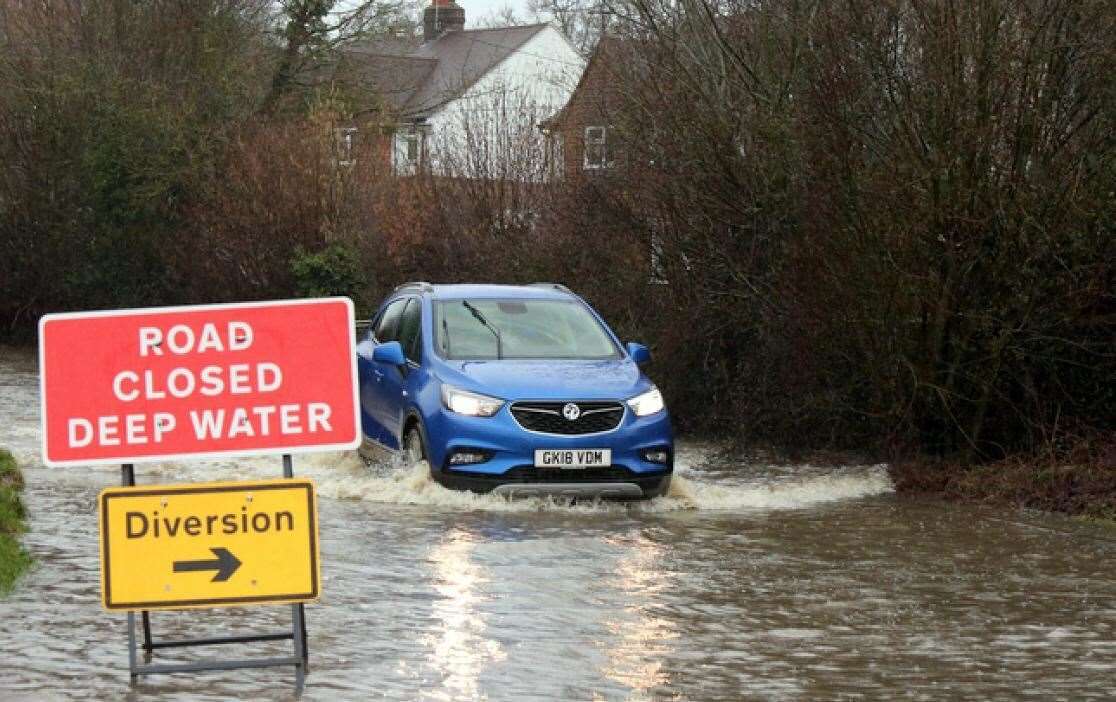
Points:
point(587, 133)
point(459, 96)
point(584, 131)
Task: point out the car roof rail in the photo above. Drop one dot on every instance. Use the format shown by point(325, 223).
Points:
point(420, 284)
point(553, 286)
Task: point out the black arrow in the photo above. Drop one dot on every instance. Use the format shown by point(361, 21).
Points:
point(225, 565)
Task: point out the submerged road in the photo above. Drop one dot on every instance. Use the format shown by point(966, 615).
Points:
point(746, 582)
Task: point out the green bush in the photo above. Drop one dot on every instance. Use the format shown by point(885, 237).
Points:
point(13, 558)
point(332, 271)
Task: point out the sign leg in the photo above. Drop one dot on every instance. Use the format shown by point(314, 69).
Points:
point(298, 614)
point(299, 652)
point(132, 646)
point(147, 647)
point(305, 645)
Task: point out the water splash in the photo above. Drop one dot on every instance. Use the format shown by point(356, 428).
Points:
point(344, 476)
point(692, 492)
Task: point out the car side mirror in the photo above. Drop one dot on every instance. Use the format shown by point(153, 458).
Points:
point(638, 352)
point(391, 353)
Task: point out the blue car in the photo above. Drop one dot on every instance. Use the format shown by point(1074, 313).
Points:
point(519, 390)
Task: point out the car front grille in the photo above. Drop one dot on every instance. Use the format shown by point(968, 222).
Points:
point(547, 417)
point(530, 474)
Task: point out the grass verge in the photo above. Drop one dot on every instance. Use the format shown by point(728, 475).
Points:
point(1078, 479)
point(13, 559)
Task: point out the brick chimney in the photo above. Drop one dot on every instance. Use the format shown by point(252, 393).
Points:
point(442, 16)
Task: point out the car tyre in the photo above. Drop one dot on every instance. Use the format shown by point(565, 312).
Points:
point(414, 446)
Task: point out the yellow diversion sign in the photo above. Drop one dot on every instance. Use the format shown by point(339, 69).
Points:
point(209, 544)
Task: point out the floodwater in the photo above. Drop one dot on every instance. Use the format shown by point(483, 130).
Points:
point(747, 582)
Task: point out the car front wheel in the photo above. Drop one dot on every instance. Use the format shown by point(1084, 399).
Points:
point(413, 449)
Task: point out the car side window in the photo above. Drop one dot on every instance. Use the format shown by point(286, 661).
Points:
point(388, 327)
point(410, 331)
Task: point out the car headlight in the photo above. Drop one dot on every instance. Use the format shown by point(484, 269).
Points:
point(647, 403)
point(470, 403)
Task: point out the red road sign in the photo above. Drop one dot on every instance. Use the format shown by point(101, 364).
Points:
point(172, 382)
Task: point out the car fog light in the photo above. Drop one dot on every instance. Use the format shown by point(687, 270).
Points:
point(660, 456)
point(463, 458)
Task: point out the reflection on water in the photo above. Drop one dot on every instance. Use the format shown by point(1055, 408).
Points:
point(746, 582)
point(642, 637)
point(460, 649)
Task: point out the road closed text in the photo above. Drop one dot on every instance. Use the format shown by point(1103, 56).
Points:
point(140, 387)
point(203, 380)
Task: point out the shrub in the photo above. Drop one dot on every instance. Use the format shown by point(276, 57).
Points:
point(332, 271)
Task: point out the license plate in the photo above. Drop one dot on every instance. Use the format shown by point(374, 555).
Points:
point(572, 458)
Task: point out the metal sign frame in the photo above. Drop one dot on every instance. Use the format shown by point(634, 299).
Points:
point(300, 657)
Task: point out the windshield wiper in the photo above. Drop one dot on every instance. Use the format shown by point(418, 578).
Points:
point(480, 318)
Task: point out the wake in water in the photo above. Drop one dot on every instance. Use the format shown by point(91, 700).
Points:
point(344, 476)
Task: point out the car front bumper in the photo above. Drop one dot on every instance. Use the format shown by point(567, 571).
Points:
point(530, 482)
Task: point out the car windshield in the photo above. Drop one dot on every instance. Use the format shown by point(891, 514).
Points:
point(490, 329)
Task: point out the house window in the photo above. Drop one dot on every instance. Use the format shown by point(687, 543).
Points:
point(346, 142)
point(555, 159)
point(596, 148)
point(658, 232)
point(408, 151)
point(658, 269)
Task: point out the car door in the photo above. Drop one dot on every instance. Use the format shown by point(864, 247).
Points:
point(398, 382)
point(373, 394)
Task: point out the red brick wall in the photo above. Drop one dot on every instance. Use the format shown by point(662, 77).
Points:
point(593, 103)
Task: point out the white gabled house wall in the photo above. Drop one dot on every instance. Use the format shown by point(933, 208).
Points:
point(492, 130)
